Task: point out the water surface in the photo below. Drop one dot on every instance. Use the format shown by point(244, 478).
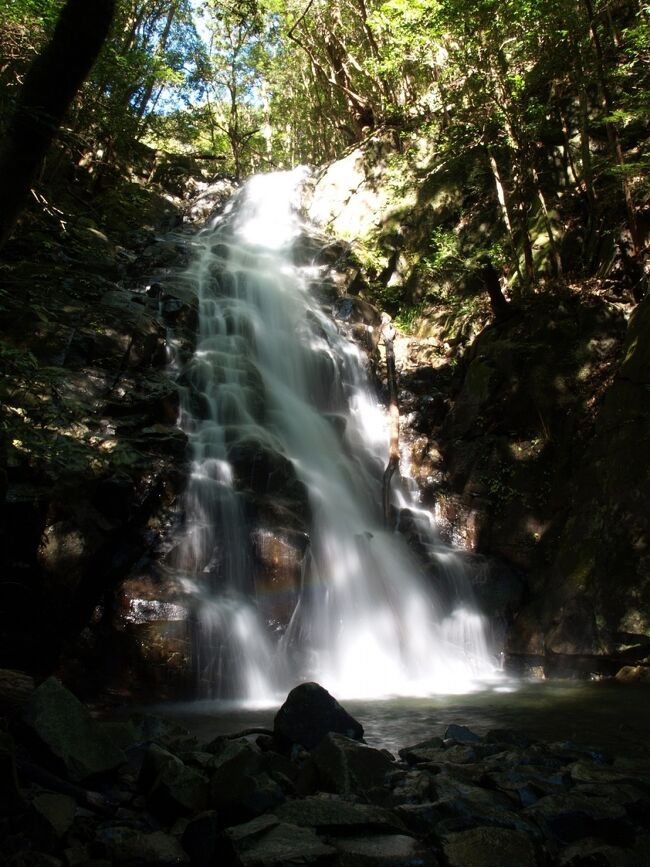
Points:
point(607, 715)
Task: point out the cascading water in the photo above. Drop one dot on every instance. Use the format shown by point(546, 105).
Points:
point(272, 375)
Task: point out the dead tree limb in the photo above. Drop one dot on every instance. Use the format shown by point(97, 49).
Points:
point(388, 335)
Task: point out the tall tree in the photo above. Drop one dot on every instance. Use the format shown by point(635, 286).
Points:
point(47, 93)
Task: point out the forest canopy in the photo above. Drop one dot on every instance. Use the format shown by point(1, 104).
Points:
point(546, 100)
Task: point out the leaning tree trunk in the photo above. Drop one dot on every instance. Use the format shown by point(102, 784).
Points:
point(49, 88)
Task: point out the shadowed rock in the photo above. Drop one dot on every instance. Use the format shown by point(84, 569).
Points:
point(308, 714)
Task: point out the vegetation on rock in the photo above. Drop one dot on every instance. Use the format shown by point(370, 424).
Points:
point(486, 163)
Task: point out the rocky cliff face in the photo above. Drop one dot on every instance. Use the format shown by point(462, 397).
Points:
point(91, 460)
point(527, 436)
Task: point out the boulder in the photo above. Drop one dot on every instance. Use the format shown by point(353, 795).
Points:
point(240, 789)
point(10, 795)
point(489, 847)
point(348, 767)
point(15, 690)
point(175, 790)
point(53, 814)
point(425, 751)
point(571, 816)
point(388, 850)
point(331, 815)
point(461, 734)
point(201, 839)
point(308, 714)
point(634, 674)
point(266, 842)
point(63, 726)
point(132, 848)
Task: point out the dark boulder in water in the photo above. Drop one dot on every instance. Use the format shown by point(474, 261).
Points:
point(309, 713)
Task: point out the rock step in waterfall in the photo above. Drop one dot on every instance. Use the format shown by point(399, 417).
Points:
point(289, 446)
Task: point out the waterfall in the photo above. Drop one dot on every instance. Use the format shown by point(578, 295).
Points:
point(278, 393)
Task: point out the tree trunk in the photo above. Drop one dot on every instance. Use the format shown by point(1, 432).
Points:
point(47, 93)
point(498, 303)
point(555, 251)
point(160, 50)
point(502, 198)
point(612, 134)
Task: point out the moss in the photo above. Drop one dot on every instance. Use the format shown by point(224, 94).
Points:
point(583, 563)
point(478, 379)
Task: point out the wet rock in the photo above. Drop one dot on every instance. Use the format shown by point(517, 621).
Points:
point(240, 789)
point(348, 767)
point(63, 726)
point(411, 787)
point(201, 839)
point(266, 842)
point(634, 674)
point(595, 853)
point(308, 714)
point(132, 848)
point(509, 737)
point(10, 795)
point(572, 816)
point(53, 814)
point(15, 689)
point(420, 819)
point(34, 858)
point(331, 815)
point(389, 850)
point(464, 807)
point(529, 787)
point(175, 789)
point(258, 468)
point(461, 734)
point(425, 751)
point(489, 847)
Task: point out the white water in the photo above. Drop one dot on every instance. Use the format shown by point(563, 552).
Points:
point(274, 370)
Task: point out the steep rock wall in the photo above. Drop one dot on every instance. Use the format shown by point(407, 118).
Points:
point(528, 436)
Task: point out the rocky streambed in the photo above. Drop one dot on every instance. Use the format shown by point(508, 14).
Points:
point(309, 791)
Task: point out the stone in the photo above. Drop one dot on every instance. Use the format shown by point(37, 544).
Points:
point(388, 850)
point(509, 737)
point(420, 819)
point(425, 751)
point(489, 847)
point(201, 839)
point(240, 789)
point(331, 815)
point(634, 674)
point(266, 842)
point(463, 807)
point(595, 853)
point(33, 858)
point(10, 794)
point(15, 689)
point(177, 790)
point(411, 787)
point(129, 847)
point(461, 734)
point(571, 816)
point(61, 724)
point(76, 856)
point(54, 812)
point(308, 714)
point(347, 767)
point(245, 797)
